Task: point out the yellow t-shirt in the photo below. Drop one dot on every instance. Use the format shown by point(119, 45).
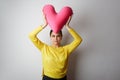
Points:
point(54, 59)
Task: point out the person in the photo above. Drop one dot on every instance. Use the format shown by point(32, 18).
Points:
point(55, 56)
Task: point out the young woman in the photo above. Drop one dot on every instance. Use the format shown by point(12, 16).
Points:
point(55, 56)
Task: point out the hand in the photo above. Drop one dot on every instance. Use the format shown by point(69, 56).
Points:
point(45, 21)
point(67, 23)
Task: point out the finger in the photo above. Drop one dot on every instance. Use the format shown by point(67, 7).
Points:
point(69, 20)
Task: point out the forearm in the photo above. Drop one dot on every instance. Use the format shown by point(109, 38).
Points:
point(33, 37)
point(74, 34)
point(34, 33)
point(76, 40)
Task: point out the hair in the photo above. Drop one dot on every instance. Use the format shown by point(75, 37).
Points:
point(60, 32)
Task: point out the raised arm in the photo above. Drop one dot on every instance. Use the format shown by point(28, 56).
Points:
point(33, 35)
point(77, 38)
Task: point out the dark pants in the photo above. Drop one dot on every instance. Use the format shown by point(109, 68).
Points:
point(48, 78)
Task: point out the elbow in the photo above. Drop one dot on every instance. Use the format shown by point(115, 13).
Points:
point(80, 40)
point(31, 36)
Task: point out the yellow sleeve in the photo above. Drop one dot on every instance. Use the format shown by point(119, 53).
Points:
point(75, 43)
point(33, 37)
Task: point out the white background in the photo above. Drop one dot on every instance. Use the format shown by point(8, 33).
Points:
point(97, 21)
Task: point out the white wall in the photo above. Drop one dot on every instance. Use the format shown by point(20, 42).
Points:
point(97, 21)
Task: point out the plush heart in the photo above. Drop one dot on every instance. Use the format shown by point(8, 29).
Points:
point(57, 20)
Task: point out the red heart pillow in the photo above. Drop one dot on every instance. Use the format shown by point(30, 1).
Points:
point(57, 20)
